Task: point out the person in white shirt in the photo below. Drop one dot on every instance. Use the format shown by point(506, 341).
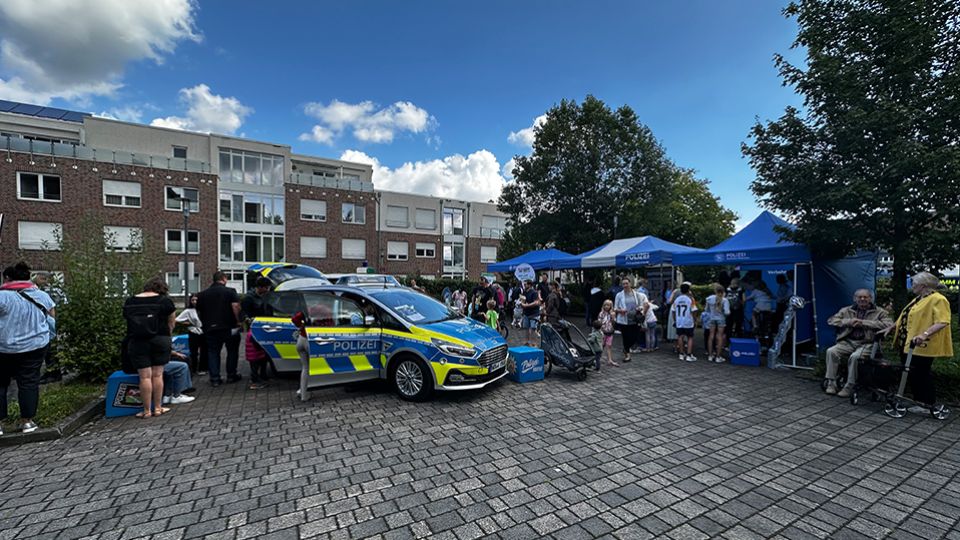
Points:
point(198, 349)
point(717, 309)
point(683, 309)
point(629, 306)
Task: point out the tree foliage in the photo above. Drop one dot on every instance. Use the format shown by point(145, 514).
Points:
point(874, 159)
point(96, 282)
point(590, 165)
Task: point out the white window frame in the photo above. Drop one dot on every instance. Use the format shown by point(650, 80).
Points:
point(124, 197)
point(41, 179)
point(313, 216)
point(354, 214)
point(488, 259)
point(396, 222)
point(343, 249)
point(119, 231)
point(174, 277)
point(396, 253)
point(425, 248)
point(317, 254)
point(166, 241)
point(52, 245)
point(194, 205)
point(417, 223)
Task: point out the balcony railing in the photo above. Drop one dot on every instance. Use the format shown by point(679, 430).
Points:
point(86, 153)
point(332, 183)
point(487, 232)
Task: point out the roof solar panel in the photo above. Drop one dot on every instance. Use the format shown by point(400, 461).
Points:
point(51, 112)
point(74, 116)
point(7, 105)
point(24, 108)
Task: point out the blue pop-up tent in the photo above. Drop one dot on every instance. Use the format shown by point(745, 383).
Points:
point(826, 285)
point(628, 253)
point(541, 259)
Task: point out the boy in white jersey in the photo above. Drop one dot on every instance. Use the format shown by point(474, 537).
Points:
point(683, 308)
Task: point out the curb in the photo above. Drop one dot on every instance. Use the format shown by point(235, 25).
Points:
point(66, 427)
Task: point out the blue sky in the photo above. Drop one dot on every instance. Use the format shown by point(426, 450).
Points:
point(423, 88)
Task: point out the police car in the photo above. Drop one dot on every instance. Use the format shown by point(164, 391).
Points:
point(416, 343)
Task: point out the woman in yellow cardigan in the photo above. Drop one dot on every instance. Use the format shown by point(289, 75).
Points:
point(925, 323)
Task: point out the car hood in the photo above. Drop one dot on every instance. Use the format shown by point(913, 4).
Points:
point(479, 335)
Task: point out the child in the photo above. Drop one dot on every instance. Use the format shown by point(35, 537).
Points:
point(606, 320)
point(493, 318)
point(683, 308)
point(717, 311)
point(517, 312)
point(595, 341)
point(651, 327)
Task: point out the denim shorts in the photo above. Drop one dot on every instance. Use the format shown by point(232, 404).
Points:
point(531, 321)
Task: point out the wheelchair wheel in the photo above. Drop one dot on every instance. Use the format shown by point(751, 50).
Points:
point(547, 365)
point(940, 412)
point(894, 409)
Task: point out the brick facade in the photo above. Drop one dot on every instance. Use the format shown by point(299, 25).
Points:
point(333, 229)
point(472, 249)
point(82, 192)
point(413, 265)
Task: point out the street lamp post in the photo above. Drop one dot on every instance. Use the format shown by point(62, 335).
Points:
point(185, 275)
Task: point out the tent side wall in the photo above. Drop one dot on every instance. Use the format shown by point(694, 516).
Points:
point(836, 280)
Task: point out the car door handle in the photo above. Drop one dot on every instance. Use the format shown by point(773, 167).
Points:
point(322, 340)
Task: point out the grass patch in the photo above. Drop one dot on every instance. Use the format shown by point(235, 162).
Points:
point(57, 402)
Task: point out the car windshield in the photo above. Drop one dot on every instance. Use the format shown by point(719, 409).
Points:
point(283, 273)
point(414, 307)
point(389, 280)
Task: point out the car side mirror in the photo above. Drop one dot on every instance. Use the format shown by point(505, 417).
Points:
point(369, 320)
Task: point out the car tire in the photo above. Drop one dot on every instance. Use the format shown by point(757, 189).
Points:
point(411, 379)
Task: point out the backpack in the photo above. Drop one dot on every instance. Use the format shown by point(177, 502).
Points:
point(143, 320)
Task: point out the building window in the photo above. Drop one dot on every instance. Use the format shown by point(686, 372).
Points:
point(122, 239)
point(176, 285)
point(243, 246)
point(39, 235)
point(123, 194)
point(453, 255)
point(398, 216)
point(488, 254)
point(354, 249)
point(180, 152)
point(251, 208)
point(38, 187)
point(312, 247)
point(453, 221)
point(426, 219)
point(492, 226)
point(175, 241)
point(426, 250)
point(311, 210)
point(244, 167)
point(353, 213)
point(397, 251)
point(173, 194)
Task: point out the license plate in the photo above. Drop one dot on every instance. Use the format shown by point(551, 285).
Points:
point(496, 365)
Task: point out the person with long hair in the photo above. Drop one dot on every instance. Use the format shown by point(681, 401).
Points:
point(150, 319)
point(629, 306)
point(189, 317)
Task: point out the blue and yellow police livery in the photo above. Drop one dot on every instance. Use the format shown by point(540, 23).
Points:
point(278, 272)
point(398, 334)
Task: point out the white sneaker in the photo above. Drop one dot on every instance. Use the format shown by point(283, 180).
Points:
point(682, 357)
point(719, 359)
point(711, 358)
point(690, 358)
point(177, 400)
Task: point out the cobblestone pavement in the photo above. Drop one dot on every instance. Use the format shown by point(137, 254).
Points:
point(656, 448)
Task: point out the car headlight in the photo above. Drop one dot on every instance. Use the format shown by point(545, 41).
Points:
point(453, 349)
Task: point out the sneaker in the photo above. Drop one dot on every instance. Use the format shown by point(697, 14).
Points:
point(177, 400)
point(831, 388)
point(201, 372)
point(719, 359)
point(234, 378)
point(1, 429)
point(681, 357)
point(711, 359)
point(917, 409)
point(28, 426)
point(216, 383)
point(690, 358)
point(845, 391)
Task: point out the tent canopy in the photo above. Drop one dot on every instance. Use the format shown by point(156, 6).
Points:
point(541, 259)
point(628, 252)
point(757, 243)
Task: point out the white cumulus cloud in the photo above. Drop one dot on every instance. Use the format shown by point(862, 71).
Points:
point(525, 136)
point(127, 113)
point(365, 121)
point(74, 50)
point(207, 112)
point(476, 177)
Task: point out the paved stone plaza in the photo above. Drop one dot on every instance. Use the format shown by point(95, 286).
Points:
point(657, 448)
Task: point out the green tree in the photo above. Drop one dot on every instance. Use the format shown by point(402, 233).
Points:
point(874, 158)
point(96, 282)
point(591, 167)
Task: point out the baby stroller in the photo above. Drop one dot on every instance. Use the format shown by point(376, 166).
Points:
point(559, 348)
point(887, 380)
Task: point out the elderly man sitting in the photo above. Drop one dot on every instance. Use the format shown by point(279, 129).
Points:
point(856, 327)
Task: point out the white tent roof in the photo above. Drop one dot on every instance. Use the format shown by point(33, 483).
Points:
point(606, 256)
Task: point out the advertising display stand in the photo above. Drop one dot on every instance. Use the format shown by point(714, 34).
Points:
point(525, 364)
point(123, 395)
point(744, 352)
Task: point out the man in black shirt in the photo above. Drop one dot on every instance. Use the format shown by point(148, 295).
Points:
point(479, 296)
point(218, 307)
